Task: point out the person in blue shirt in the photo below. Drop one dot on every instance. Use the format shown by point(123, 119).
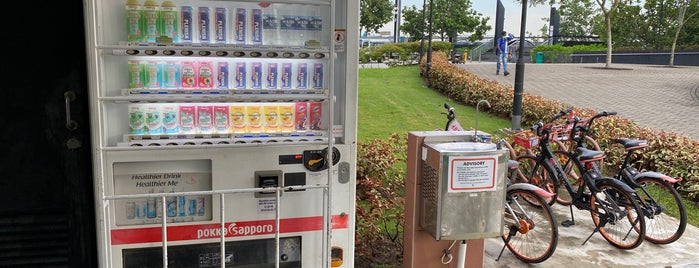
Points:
point(501, 51)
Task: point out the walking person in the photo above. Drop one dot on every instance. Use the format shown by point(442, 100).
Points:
point(501, 51)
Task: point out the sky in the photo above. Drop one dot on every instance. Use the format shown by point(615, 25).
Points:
point(513, 15)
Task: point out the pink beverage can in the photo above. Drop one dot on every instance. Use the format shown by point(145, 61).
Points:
point(302, 76)
point(301, 116)
point(286, 76)
point(154, 74)
point(204, 26)
point(221, 119)
point(187, 26)
point(240, 75)
point(206, 74)
point(272, 75)
point(256, 25)
point(222, 75)
point(240, 26)
point(220, 19)
point(318, 76)
point(154, 119)
point(205, 119)
point(188, 121)
point(315, 115)
point(256, 75)
point(189, 74)
point(171, 74)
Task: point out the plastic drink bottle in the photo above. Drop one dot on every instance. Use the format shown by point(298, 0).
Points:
point(134, 21)
point(169, 21)
point(151, 18)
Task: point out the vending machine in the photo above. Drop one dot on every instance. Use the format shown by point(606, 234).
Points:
point(224, 132)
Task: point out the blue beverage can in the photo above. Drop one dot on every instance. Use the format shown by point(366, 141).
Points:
point(204, 25)
point(240, 26)
point(240, 75)
point(187, 24)
point(302, 76)
point(272, 75)
point(220, 19)
point(256, 27)
point(286, 76)
point(318, 76)
point(256, 75)
point(222, 75)
point(192, 207)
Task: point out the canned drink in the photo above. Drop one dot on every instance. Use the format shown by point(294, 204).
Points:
point(151, 207)
point(302, 76)
point(140, 209)
point(240, 75)
point(171, 74)
point(220, 19)
point(240, 26)
point(238, 118)
point(256, 25)
point(171, 205)
point(171, 119)
point(181, 206)
point(205, 119)
point(130, 210)
point(256, 75)
point(286, 117)
point(137, 119)
point(272, 75)
point(136, 74)
point(187, 24)
point(154, 121)
point(315, 115)
point(286, 76)
point(206, 74)
point(189, 74)
point(222, 75)
point(201, 209)
point(271, 112)
point(187, 119)
point(192, 207)
point(204, 26)
point(221, 119)
point(318, 76)
point(301, 116)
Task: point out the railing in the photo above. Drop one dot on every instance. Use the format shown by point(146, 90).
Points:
point(476, 52)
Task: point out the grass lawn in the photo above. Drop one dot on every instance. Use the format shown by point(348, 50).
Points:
point(396, 100)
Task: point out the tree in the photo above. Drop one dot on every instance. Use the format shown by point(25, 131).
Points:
point(608, 8)
point(413, 25)
point(450, 19)
point(576, 17)
point(682, 18)
point(374, 14)
point(629, 27)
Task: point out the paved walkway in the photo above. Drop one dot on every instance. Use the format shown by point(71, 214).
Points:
point(657, 97)
point(653, 96)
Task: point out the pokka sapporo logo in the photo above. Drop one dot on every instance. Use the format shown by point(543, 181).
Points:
point(234, 229)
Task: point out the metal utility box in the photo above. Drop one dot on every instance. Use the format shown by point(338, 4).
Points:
point(463, 189)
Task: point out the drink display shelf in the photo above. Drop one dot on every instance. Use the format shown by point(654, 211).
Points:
point(178, 140)
point(216, 95)
point(217, 50)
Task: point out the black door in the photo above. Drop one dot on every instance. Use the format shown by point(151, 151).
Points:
point(47, 214)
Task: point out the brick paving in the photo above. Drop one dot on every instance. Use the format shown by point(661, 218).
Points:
point(653, 96)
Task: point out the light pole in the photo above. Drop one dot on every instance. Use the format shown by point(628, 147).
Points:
point(429, 47)
point(519, 74)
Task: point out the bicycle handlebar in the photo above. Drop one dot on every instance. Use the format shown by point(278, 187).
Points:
point(580, 139)
point(538, 126)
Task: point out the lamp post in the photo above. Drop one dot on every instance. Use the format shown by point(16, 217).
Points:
point(429, 47)
point(519, 74)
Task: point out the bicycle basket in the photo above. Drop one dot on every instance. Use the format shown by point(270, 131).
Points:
point(526, 139)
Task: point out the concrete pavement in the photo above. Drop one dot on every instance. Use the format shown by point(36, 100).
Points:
point(657, 97)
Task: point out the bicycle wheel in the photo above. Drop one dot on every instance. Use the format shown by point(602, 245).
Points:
point(665, 214)
point(537, 175)
point(616, 213)
point(530, 232)
point(574, 177)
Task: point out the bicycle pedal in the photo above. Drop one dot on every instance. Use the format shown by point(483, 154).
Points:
point(567, 223)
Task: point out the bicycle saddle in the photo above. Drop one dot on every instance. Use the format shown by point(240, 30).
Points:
point(631, 143)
